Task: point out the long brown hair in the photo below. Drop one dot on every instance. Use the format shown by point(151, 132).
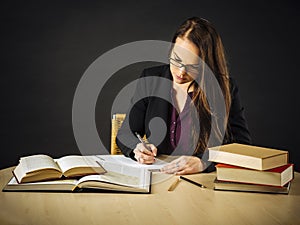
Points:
point(211, 51)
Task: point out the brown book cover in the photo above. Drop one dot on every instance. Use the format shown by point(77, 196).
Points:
point(248, 156)
point(278, 176)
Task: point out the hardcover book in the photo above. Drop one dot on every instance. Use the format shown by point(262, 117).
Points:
point(248, 156)
point(278, 176)
point(244, 187)
point(43, 167)
point(118, 178)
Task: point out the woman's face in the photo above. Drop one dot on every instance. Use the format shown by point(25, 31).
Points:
point(184, 61)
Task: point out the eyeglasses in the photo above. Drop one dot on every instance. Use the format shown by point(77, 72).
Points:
point(190, 69)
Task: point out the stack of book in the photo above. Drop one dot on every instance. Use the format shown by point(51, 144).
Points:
point(250, 168)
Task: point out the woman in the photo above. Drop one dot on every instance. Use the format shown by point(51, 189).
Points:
point(187, 111)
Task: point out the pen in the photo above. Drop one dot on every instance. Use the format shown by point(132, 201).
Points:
point(100, 158)
point(98, 163)
point(101, 166)
point(192, 182)
point(142, 141)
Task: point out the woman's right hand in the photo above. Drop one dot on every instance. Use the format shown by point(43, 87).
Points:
point(143, 155)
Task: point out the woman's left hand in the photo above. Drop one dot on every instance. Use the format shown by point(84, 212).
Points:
point(184, 165)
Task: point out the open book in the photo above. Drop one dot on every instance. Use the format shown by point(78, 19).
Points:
point(119, 177)
point(43, 167)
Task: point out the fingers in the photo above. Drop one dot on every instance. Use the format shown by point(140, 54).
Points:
point(153, 149)
point(143, 158)
point(173, 167)
point(183, 165)
point(146, 150)
point(185, 171)
point(143, 155)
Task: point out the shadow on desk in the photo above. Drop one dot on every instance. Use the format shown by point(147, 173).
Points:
point(295, 191)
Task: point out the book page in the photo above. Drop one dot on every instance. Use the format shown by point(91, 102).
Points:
point(73, 161)
point(121, 168)
point(122, 174)
point(121, 159)
point(13, 181)
point(114, 178)
point(37, 162)
point(122, 179)
point(53, 185)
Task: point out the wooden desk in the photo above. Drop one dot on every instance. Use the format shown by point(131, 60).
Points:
point(187, 204)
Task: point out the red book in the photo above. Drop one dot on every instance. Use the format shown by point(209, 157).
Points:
point(244, 187)
point(278, 176)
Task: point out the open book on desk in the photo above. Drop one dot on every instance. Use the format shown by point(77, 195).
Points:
point(42, 167)
point(120, 177)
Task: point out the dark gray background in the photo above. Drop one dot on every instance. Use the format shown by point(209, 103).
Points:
point(47, 45)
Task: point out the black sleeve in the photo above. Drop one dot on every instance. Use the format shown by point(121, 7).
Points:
point(237, 125)
point(134, 121)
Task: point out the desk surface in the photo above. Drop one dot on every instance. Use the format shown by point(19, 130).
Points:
point(187, 204)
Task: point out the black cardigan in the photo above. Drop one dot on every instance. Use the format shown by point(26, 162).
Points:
point(145, 106)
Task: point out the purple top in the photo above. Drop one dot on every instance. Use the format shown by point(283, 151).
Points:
point(180, 128)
